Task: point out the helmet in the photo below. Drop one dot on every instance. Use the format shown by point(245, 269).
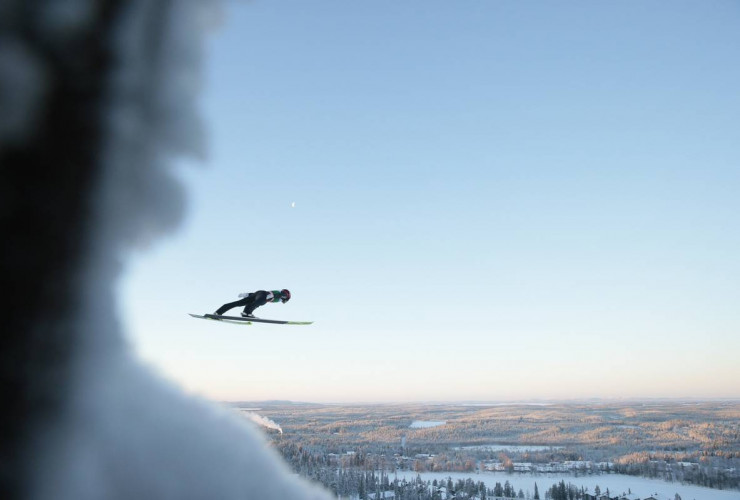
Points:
point(285, 295)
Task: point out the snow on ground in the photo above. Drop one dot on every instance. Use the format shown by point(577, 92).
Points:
point(617, 484)
point(425, 424)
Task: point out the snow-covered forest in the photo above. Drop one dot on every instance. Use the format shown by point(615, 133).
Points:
point(351, 449)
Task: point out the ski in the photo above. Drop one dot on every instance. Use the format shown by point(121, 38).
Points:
point(214, 318)
point(247, 321)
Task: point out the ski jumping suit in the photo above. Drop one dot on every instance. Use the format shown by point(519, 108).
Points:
point(251, 301)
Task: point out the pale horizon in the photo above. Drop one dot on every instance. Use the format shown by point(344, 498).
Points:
point(522, 402)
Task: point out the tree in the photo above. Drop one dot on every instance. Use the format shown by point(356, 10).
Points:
point(508, 490)
point(498, 491)
point(536, 492)
point(597, 490)
point(362, 492)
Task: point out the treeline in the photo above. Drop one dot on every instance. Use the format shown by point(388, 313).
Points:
point(562, 491)
point(719, 473)
point(303, 458)
point(723, 478)
point(371, 486)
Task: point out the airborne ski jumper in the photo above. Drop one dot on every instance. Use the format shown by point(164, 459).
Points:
point(253, 300)
point(250, 302)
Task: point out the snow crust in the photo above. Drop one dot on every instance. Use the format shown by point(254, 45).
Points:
point(128, 433)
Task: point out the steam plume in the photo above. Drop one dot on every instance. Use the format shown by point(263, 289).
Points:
point(264, 421)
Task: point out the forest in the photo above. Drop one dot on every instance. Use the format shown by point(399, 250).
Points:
point(689, 442)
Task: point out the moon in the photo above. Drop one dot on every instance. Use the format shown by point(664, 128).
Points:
point(292, 205)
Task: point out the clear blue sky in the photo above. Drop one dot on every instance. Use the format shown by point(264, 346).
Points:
point(493, 200)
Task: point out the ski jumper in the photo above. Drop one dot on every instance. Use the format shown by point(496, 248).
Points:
point(251, 301)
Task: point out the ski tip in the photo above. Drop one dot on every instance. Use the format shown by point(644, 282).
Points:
point(205, 316)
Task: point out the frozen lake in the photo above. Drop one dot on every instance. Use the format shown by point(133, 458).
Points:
point(508, 447)
point(617, 484)
point(425, 424)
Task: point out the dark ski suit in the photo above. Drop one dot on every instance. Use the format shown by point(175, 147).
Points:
point(250, 302)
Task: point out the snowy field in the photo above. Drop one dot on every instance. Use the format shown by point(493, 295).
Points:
point(425, 424)
point(617, 484)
